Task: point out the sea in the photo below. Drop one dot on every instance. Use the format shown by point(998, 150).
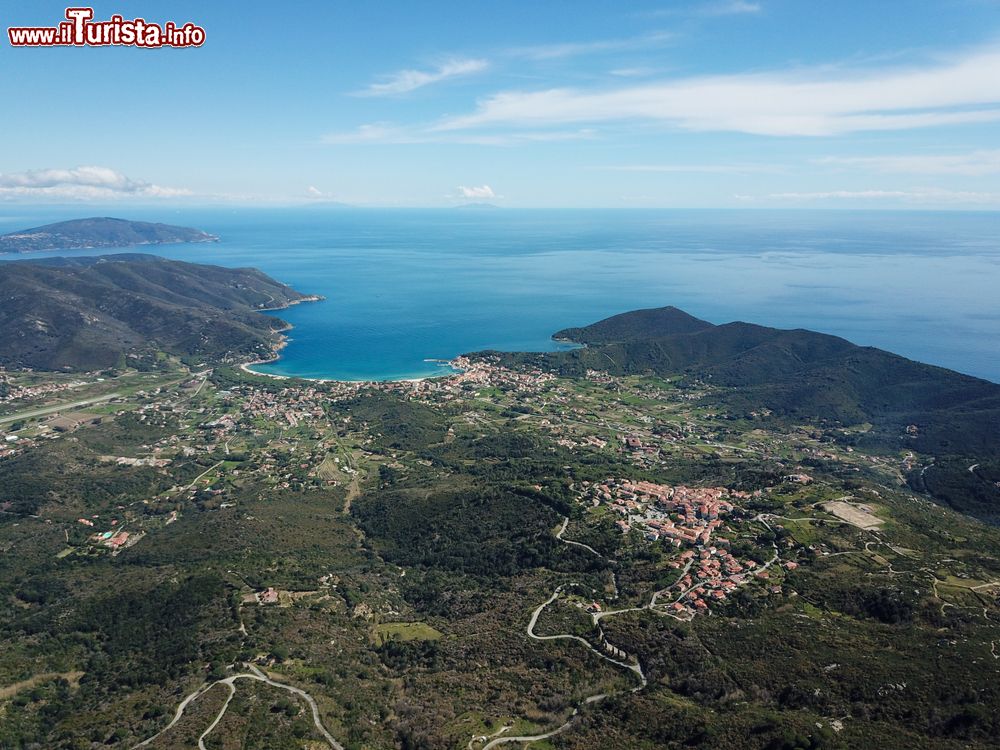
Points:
point(406, 288)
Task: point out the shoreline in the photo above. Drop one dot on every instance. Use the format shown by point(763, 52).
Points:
point(247, 367)
point(282, 342)
point(292, 303)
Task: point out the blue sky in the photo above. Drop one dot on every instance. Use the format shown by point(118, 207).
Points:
point(707, 103)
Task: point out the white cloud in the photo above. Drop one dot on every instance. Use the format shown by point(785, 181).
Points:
point(818, 102)
point(483, 192)
point(711, 9)
point(80, 183)
point(573, 49)
point(316, 195)
point(970, 164)
point(636, 72)
point(385, 133)
point(405, 81)
point(375, 132)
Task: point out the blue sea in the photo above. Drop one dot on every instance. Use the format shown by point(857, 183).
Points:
point(406, 286)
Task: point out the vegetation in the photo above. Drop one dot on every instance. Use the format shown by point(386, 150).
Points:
point(384, 549)
point(804, 376)
point(94, 313)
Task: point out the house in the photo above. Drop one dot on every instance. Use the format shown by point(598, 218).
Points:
point(268, 596)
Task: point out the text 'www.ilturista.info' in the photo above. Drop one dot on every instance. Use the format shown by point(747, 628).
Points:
point(80, 30)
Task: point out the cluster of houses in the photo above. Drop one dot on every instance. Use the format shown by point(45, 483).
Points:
point(683, 517)
point(265, 596)
point(115, 540)
point(487, 372)
point(713, 574)
point(290, 405)
point(14, 392)
point(680, 515)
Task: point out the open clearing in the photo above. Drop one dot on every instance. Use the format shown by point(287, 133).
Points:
point(404, 631)
point(9, 691)
point(853, 514)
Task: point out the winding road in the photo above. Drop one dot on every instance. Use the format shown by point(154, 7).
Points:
point(562, 530)
point(633, 665)
point(229, 682)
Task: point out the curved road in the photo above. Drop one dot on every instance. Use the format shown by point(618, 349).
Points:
point(562, 530)
point(636, 668)
point(253, 674)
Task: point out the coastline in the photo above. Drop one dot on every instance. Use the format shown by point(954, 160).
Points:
point(247, 368)
point(448, 364)
point(292, 303)
point(282, 342)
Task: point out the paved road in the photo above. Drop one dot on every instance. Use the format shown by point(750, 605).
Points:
point(57, 407)
point(531, 634)
point(636, 668)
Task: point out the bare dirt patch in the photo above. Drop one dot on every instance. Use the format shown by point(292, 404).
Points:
point(856, 515)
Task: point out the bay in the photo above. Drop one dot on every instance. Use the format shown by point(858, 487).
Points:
point(406, 286)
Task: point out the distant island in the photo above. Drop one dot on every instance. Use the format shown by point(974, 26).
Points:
point(98, 232)
point(475, 206)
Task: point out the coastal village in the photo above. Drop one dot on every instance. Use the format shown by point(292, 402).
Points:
point(303, 440)
point(219, 446)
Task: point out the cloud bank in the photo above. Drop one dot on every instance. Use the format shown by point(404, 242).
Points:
point(970, 164)
point(816, 102)
point(80, 183)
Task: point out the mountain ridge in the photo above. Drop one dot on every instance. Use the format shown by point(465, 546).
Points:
point(86, 313)
point(807, 377)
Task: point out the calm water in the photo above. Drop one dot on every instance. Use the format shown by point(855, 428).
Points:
point(406, 286)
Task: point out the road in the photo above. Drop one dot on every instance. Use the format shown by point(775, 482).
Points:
point(536, 737)
point(635, 667)
point(229, 682)
point(197, 478)
point(562, 530)
point(57, 408)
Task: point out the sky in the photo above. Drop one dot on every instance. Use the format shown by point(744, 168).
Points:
point(686, 104)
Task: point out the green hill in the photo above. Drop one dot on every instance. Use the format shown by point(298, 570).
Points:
point(85, 313)
point(635, 326)
point(810, 378)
